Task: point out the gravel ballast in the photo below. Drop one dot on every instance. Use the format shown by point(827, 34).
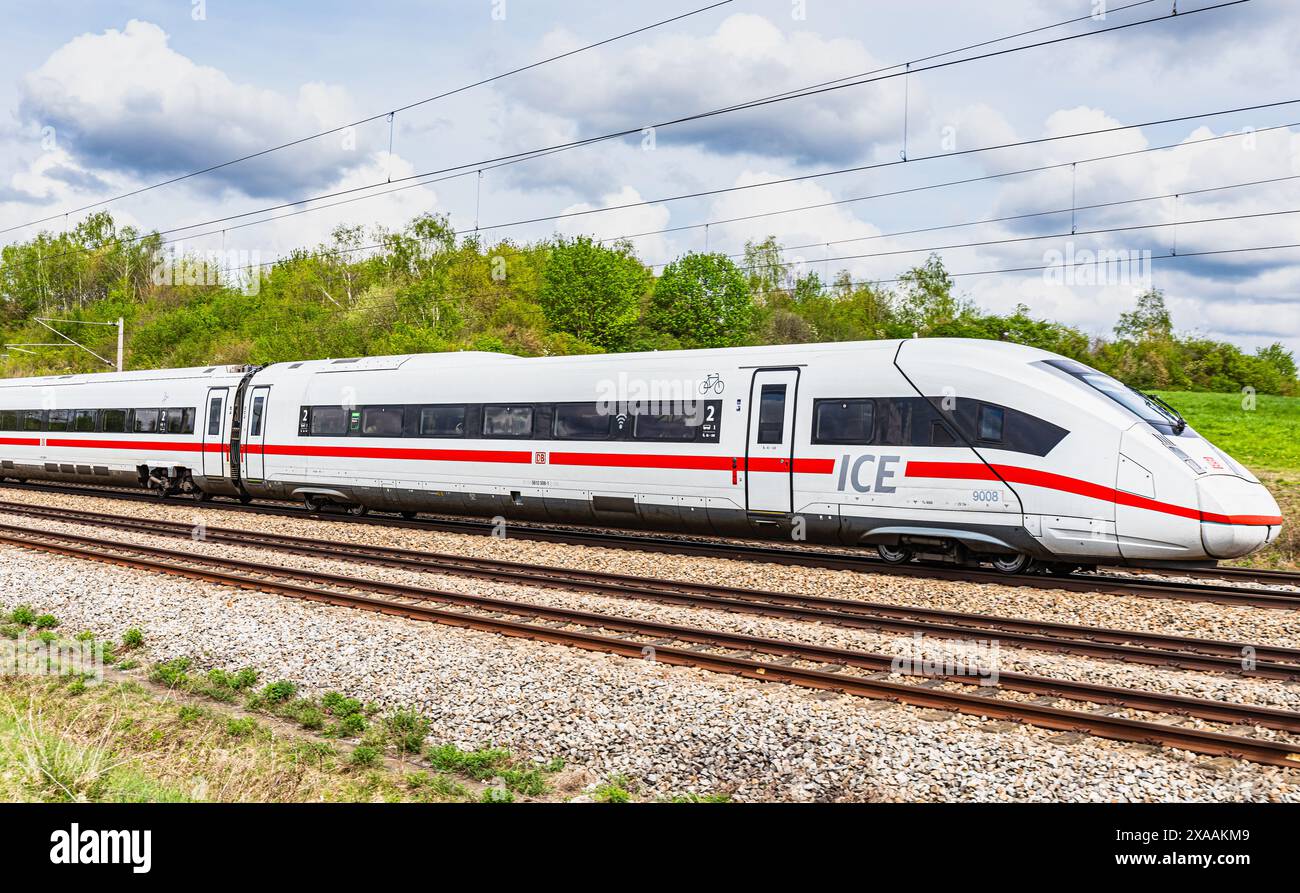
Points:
point(674, 729)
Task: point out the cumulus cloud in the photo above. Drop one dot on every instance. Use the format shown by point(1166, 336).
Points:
point(125, 100)
point(746, 57)
point(625, 221)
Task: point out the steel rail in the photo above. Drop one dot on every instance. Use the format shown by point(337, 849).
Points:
point(716, 548)
point(1130, 645)
point(218, 570)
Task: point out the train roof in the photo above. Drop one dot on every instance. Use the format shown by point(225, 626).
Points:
point(756, 355)
point(949, 348)
point(193, 372)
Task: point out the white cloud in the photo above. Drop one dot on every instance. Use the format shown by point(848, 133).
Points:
point(626, 221)
point(746, 57)
point(126, 100)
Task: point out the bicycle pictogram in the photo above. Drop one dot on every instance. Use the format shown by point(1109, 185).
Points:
point(713, 383)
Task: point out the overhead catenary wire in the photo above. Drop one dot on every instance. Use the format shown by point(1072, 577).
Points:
point(389, 114)
point(928, 249)
point(965, 181)
point(1029, 215)
point(514, 158)
point(797, 178)
point(861, 283)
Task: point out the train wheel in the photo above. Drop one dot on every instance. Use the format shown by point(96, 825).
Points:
point(357, 511)
point(200, 496)
point(1012, 564)
point(312, 503)
point(894, 554)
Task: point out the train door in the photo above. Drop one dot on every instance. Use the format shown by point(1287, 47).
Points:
point(255, 434)
point(216, 457)
point(769, 456)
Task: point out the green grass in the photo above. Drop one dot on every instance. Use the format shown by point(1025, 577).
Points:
point(1266, 440)
point(1266, 437)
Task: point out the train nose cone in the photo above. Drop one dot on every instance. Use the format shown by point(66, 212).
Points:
point(1237, 516)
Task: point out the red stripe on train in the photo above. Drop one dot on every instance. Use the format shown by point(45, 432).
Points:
point(518, 457)
point(1014, 474)
point(160, 446)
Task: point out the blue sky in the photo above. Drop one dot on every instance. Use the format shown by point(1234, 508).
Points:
point(103, 97)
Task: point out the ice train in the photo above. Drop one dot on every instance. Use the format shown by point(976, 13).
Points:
point(951, 449)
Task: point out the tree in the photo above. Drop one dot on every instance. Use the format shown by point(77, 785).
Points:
point(592, 291)
point(764, 269)
point(926, 301)
point(1149, 321)
point(703, 301)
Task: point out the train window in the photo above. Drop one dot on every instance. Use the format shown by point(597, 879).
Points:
point(771, 414)
point(941, 434)
point(214, 416)
point(83, 420)
point(843, 421)
point(678, 426)
point(329, 421)
point(174, 421)
point(59, 419)
point(9, 420)
point(507, 421)
point(894, 427)
point(255, 423)
point(581, 421)
point(382, 421)
point(32, 420)
point(990, 423)
point(113, 421)
point(145, 421)
point(442, 421)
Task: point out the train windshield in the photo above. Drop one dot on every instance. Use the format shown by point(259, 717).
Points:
point(1152, 410)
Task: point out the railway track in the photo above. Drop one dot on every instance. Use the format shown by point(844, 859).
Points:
point(1259, 576)
point(852, 672)
point(790, 556)
point(1128, 645)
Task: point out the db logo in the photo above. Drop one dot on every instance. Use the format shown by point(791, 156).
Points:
point(539, 458)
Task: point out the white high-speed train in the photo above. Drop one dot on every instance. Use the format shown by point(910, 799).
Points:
point(953, 449)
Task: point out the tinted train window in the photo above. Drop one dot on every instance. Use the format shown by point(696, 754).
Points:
point(894, 422)
point(329, 421)
point(771, 414)
point(581, 421)
point(83, 420)
point(991, 418)
point(9, 420)
point(115, 421)
point(32, 420)
point(442, 421)
point(843, 421)
point(255, 425)
point(507, 421)
point(179, 421)
point(214, 416)
point(145, 421)
point(678, 426)
point(382, 421)
point(59, 420)
point(941, 434)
